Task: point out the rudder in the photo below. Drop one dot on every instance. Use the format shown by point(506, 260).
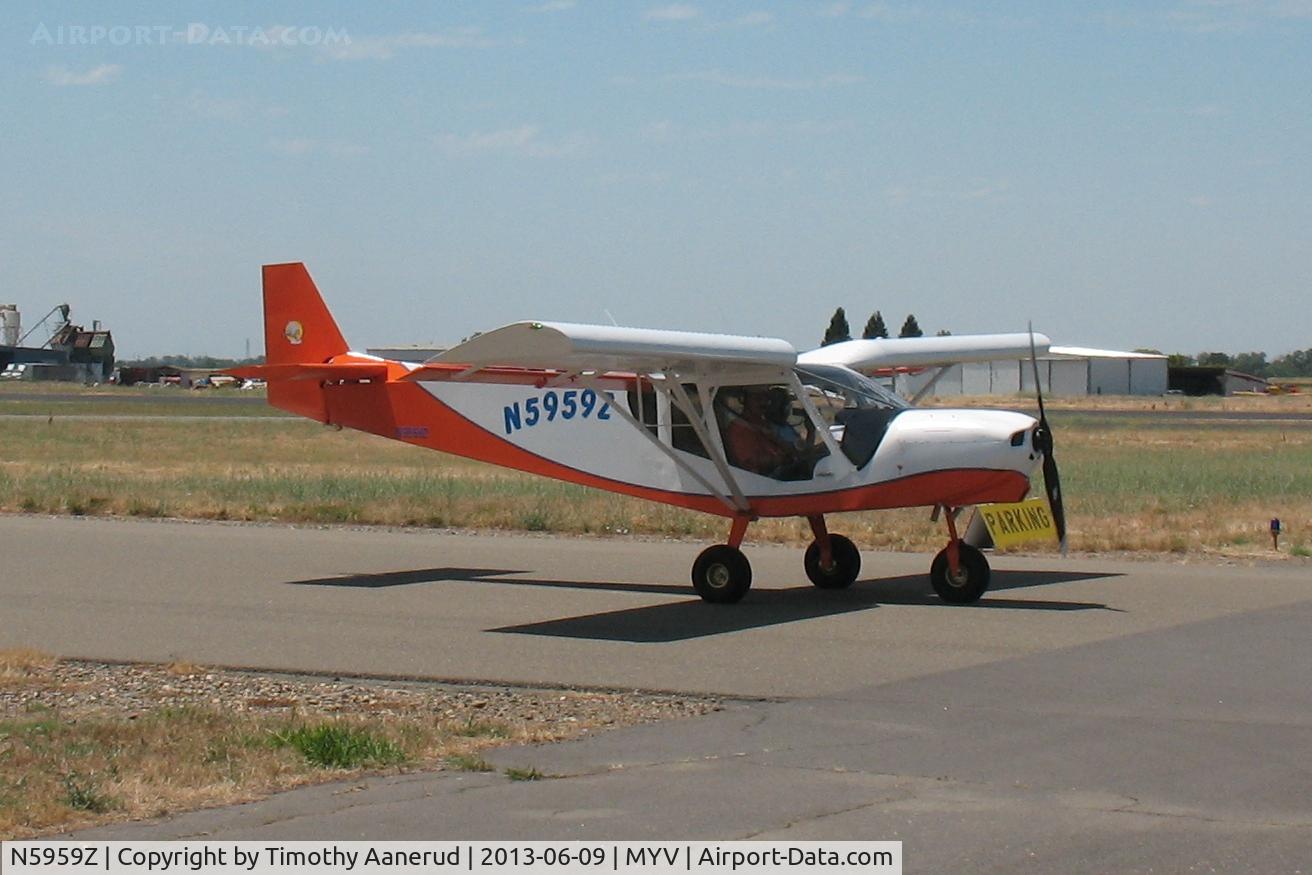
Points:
point(297, 325)
point(298, 329)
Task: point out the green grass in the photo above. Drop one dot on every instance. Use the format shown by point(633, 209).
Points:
point(187, 407)
point(481, 729)
point(1113, 479)
point(82, 793)
point(44, 400)
point(295, 471)
point(516, 773)
point(1131, 482)
point(333, 746)
point(468, 763)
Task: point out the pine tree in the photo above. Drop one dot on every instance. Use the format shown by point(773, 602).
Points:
point(838, 330)
point(911, 328)
point(875, 327)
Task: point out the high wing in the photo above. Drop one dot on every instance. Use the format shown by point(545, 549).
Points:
point(564, 347)
point(924, 352)
point(595, 356)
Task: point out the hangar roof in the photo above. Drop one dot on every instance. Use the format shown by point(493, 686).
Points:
point(1083, 352)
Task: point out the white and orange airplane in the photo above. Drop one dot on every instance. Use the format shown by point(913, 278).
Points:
point(742, 427)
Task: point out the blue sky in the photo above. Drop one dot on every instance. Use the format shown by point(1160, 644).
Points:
point(1122, 174)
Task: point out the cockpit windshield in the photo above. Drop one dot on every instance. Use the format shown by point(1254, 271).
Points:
point(854, 389)
point(856, 409)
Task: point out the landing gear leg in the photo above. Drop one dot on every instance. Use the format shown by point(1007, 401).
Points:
point(959, 573)
point(722, 575)
point(831, 561)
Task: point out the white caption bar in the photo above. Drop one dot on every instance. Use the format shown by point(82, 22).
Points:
point(286, 858)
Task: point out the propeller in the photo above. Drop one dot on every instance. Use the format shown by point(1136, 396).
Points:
point(1043, 443)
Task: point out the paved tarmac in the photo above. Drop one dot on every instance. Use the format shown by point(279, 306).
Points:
point(1086, 716)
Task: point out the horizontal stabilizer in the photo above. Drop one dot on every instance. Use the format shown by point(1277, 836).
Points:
point(925, 352)
point(299, 371)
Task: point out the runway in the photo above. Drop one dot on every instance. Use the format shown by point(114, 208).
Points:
point(546, 610)
point(1086, 716)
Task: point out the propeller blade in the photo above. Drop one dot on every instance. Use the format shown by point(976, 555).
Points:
point(1052, 486)
point(1034, 364)
point(1044, 443)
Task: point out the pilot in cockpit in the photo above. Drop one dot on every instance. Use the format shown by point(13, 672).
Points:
point(760, 438)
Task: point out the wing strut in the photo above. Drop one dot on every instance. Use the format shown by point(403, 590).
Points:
point(929, 387)
point(713, 449)
point(835, 450)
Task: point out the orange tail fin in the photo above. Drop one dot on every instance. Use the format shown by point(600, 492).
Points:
point(297, 325)
point(300, 338)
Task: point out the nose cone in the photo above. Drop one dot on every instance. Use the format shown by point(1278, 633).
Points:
point(964, 438)
point(966, 425)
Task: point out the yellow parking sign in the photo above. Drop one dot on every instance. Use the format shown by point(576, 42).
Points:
point(1016, 523)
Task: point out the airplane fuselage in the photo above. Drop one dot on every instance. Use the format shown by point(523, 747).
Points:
point(579, 434)
point(739, 426)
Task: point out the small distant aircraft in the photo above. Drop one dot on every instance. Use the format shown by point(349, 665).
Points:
point(742, 427)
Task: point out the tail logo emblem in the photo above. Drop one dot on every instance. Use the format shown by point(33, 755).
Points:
point(293, 332)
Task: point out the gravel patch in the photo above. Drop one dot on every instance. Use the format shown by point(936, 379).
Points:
point(77, 687)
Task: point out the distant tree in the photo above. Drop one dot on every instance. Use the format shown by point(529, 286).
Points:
point(1214, 359)
point(201, 362)
point(1294, 364)
point(943, 332)
point(911, 328)
point(1179, 360)
point(1254, 363)
point(875, 327)
point(1148, 351)
point(838, 329)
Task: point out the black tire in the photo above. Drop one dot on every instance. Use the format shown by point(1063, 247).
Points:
point(847, 564)
point(722, 575)
point(972, 578)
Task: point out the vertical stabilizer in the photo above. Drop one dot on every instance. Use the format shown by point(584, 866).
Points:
point(297, 325)
point(298, 329)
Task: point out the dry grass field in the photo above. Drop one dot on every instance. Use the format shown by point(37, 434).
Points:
point(79, 746)
point(85, 743)
point(1173, 475)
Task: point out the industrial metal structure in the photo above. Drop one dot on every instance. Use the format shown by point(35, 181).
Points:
point(10, 325)
point(69, 351)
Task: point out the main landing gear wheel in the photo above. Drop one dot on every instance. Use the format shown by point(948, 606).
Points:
point(970, 581)
point(847, 563)
point(722, 575)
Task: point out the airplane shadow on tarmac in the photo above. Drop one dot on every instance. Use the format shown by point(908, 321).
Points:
point(480, 575)
point(692, 618)
point(681, 621)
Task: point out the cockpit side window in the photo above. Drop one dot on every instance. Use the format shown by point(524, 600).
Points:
point(642, 404)
point(682, 434)
point(649, 404)
point(766, 430)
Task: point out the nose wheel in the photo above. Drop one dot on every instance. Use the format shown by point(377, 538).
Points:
point(967, 583)
point(959, 573)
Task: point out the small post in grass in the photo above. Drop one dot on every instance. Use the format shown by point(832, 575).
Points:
point(1275, 533)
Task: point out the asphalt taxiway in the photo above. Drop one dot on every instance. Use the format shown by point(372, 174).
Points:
point(1085, 716)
